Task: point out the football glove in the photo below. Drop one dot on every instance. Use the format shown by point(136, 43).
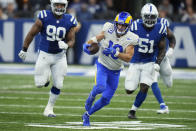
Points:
point(156, 67)
point(85, 48)
point(170, 52)
point(22, 54)
point(62, 45)
point(111, 51)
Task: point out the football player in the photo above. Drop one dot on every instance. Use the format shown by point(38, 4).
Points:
point(57, 34)
point(147, 55)
point(165, 68)
point(117, 46)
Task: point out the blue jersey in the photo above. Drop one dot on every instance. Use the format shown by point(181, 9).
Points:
point(147, 49)
point(54, 30)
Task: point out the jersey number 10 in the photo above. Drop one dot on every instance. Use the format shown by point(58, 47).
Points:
point(55, 33)
point(120, 48)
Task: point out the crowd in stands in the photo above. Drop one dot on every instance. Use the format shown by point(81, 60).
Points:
point(174, 11)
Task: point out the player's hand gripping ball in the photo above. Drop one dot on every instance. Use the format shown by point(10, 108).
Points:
point(91, 49)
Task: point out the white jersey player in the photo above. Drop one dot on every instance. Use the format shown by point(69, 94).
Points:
point(117, 46)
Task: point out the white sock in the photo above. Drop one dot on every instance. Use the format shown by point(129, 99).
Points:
point(134, 107)
point(52, 99)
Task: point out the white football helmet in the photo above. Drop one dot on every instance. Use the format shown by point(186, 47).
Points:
point(149, 15)
point(56, 10)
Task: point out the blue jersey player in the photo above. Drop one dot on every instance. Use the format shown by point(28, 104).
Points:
point(147, 55)
point(165, 68)
point(57, 31)
point(117, 46)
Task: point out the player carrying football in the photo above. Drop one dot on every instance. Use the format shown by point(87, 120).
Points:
point(57, 34)
point(117, 46)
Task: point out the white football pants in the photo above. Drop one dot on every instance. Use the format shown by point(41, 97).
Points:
point(139, 73)
point(46, 64)
point(165, 72)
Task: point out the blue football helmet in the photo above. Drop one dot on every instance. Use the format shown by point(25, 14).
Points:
point(123, 18)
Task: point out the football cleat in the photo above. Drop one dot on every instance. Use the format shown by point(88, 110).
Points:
point(49, 113)
point(164, 110)
point(85, 118)
point(131, 114)
point(89, 102)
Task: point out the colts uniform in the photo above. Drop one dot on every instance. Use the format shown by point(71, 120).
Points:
point(51, 59)
point(108, 67)
point(141, 69)
point(165, 66)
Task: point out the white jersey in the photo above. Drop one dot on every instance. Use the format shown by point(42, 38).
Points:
point(119, 43)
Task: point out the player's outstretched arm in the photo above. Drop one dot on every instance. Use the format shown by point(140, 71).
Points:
point(129, 51)
point(162, 50)
point(171, 38)
point(71, 37)
point(35, 29)
point(172, 43)
point(97, 38)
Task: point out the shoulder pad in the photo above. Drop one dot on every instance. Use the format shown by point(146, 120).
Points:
point(162, 29)
point(134, 25)
point(42, 14)
point(106, 26)
point(164, 21)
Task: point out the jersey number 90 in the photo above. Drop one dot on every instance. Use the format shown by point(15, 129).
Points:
point(55, 33)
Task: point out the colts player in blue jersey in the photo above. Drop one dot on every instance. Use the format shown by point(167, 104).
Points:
point(57, 31)
point(145, 61)
point(165, 68)
point(117, 46)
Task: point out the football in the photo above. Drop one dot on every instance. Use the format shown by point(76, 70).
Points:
point(94, 48)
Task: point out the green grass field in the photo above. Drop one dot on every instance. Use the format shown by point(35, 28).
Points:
point(22, 105)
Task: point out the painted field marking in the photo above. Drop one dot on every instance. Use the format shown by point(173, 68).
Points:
point(81, 107)
point(83, 94)
point(126, 125)
point(101, 116)
point(83, 100)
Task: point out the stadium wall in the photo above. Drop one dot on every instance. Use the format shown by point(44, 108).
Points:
point(13, 32)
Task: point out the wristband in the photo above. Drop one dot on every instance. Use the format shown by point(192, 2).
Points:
point(24, 49)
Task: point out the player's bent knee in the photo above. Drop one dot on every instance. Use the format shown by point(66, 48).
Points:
point(40, 83)
point(129, 92)
point(105, 101)
point(144, 88)
point(100, 88)
point(55, 90)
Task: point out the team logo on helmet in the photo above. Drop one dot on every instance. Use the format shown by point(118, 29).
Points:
point(124, 19)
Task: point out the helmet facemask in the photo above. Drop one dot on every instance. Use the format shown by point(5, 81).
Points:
point(149, 20)
point(121, 31)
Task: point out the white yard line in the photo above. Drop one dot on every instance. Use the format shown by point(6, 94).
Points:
point(82, 71)
point(84, 94)
point(82, 107)
point(83, 100)
point(104, 116)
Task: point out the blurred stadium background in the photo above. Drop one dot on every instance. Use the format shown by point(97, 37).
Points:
point(21, 103)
